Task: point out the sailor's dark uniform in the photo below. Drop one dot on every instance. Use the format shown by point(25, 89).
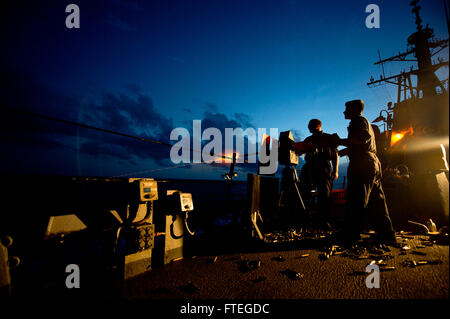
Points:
point(364, 184)
point(316, 173)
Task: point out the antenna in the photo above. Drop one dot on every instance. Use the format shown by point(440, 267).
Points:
point(416, 10)
point(421, 44)
point(382, 65)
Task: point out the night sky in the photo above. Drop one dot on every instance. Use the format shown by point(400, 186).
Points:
point(146, 67)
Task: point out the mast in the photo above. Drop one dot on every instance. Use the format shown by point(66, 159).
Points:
point(422, 47)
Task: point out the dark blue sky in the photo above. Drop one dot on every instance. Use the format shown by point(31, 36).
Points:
point(145, 67)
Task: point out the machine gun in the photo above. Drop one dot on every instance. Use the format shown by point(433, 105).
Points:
point(290, 198)
point(261, 189)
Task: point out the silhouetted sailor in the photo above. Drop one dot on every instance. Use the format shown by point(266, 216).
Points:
point(364, 178)
point(318, 173)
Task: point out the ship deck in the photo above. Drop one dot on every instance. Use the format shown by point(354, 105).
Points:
point(223, 266)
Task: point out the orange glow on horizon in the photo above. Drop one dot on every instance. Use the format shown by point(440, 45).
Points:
point(229, 157)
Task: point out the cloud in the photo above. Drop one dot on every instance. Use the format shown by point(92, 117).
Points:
point(213, 118)
point(130, 112)
point(219, 121)
point(244, 119)
point(134, 114)
point(212, 107)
